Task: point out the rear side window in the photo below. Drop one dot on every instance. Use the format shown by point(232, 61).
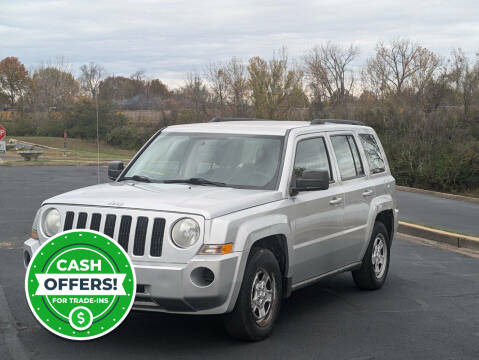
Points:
point(347, 155)
point(373, 154)
point(311, 154)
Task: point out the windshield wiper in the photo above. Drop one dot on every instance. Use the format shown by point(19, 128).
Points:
point(139, 178)
point(194, 181)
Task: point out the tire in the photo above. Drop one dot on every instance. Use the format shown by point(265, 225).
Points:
point(372, 275)
point(254, 321)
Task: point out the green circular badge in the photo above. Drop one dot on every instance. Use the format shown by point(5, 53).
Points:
point(80, 285)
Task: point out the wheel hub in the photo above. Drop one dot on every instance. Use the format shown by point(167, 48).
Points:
point(379, 255)
point(262, 296)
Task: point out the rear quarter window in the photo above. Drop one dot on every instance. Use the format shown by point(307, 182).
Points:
point(373, 153)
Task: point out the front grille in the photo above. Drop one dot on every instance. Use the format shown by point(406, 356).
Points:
point(110, 225)
point(140, 236)
point(124, 234)
point(95, 222)
point(141, 230)
point(157, 237)
point(82, 217)
point(69, 220)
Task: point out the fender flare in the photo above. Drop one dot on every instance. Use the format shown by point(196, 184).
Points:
point(378, 204)
point(248, 234)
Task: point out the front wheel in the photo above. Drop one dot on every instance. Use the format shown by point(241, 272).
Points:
point(258, 302)
point(375, 266)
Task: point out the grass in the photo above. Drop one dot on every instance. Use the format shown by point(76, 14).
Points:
point(78, 152)
point(82, 147)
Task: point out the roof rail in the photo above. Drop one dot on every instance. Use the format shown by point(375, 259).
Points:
point(224, 119)
point(336, 121)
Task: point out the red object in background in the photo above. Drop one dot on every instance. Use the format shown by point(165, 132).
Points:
point(3, 132)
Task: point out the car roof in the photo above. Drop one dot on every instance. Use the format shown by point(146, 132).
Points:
point(259, 127)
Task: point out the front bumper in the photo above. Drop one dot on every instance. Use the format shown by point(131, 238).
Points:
point(170, 287)
point(29, 248)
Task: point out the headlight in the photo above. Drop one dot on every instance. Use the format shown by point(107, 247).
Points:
point(185, 233)
point(51, 222)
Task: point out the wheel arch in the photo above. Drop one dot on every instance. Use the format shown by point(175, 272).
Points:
point(272, 235)
point(382, 208)
point(278, 245)
point(387, 218)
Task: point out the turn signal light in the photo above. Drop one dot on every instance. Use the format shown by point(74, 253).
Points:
point(34, 234)
point(220, 249)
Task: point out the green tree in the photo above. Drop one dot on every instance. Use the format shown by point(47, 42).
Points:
point(80, 119)
point(196, 98)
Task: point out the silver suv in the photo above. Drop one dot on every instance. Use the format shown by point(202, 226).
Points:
point(229, 217)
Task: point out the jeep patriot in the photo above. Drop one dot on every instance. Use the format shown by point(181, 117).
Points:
point(228, 217)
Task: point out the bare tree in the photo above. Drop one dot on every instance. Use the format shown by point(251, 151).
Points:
point(434, 90)
point(53, 85)
point(229, 85)
point(217, 76)
point(237, 80)
point(328, 71)
point(394, 65)
point(91, 76)
point(465, 79)
point(138, 75)
point(197, 96)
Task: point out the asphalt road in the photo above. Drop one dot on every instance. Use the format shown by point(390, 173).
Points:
point(428, 309)
point(446, 214)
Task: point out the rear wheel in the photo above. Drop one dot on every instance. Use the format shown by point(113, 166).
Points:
point(375, 266)
point(258, 302)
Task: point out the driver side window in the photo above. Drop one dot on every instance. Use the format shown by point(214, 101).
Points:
point(312, 154)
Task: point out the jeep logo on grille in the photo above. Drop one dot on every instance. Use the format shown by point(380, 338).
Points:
point(115, 203)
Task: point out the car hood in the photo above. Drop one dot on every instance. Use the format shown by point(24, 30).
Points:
point(208, 201)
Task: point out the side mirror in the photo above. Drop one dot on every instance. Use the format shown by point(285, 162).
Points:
point(311, 180)
point(114, 169)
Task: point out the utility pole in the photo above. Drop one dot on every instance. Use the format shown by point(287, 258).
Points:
point(97, 135)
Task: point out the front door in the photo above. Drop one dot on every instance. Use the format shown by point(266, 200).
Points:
point(318, 214)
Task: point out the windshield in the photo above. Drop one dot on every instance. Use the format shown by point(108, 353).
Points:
point(244, 161)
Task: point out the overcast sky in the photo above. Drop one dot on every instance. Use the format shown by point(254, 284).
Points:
point(167, 38)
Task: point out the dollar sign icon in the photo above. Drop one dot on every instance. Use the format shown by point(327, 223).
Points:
point(81, 318)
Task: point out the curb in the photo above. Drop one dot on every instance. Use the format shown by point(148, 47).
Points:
point(439, 194)
point(440, 236)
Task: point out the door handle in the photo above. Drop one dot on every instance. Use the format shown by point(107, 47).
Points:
point(368, 192)
point(335, 201)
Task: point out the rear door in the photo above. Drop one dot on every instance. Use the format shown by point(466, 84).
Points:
point(358, 193)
